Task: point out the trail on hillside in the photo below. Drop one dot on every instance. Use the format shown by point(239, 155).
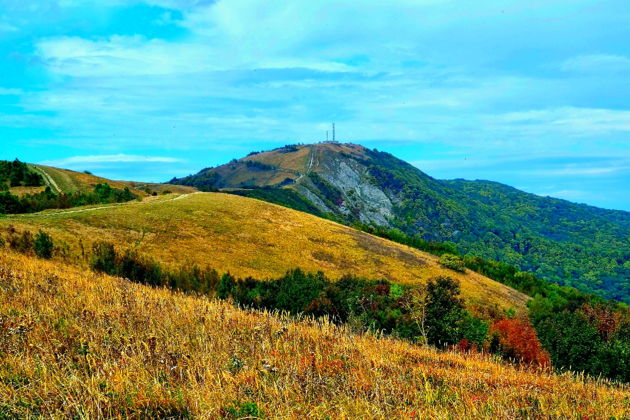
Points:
point(309, 165)
point(42, 214)
point(48, 179)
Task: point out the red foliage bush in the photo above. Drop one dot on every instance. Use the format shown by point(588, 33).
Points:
point(518, 340)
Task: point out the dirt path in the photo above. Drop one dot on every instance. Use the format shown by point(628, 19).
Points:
point(309, 165)
point(41, 214)
point(48, 179)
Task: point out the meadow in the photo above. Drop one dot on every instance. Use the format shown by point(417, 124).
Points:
point(248, 237)
point(78, 344)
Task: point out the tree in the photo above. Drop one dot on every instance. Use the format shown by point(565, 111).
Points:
point(296, 290)
point(415, 303)
point(43, 245)
point(444, 310)
point(572, 343)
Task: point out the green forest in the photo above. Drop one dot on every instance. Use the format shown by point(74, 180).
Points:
point(559, 241)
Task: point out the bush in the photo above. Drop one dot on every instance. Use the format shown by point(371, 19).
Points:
point(453, 262)
point(43, 245)
point(22, 243)
point(226, 286)
point(103, 257)
point(517, 340)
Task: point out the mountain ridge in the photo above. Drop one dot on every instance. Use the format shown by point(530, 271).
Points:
point(563, 242)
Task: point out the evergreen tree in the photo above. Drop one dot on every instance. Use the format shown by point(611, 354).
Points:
point(43, 245)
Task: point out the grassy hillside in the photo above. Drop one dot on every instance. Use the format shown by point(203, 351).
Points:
point(77, 344)
point(249, 237)
point(64, 180)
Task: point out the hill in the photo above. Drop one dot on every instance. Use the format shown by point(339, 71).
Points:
point(559, 241)
point(78, 344)
point(249, 237)
point(67, 181)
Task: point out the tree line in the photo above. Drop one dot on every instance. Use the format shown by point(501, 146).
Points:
point(18, 174)
point(47, 199)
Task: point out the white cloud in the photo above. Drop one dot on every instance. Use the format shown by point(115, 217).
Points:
point(579, 171)
point(122, 56)
point(118, 158)
point(596, 63)
point(566, 194)
point(568, 120)
point(7, 27)
point(10, 92)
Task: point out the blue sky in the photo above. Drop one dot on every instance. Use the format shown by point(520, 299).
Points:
point(535, 94)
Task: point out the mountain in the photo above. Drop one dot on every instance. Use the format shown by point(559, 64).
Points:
point(247, 237)
point(562, 242)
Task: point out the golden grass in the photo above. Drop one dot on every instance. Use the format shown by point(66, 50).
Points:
point(249, 237)
point(22, 191)
point(70, 181)
point(82, 345)
point(292, 162)
point(305, 157)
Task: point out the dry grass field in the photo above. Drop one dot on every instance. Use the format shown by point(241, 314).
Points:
point(249, 237)
point(70, 181)
point(74, 344)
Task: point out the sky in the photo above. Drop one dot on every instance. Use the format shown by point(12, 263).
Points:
point(531, 93)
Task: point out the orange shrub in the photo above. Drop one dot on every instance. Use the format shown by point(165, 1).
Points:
point(518, 340)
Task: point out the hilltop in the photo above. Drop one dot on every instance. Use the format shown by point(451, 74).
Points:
point(248, 237)
point(78, 344)
point(21, 179)
point(67, 181)
point(562, 242)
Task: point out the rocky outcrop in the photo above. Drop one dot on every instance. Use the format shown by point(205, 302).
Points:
point(360, 197)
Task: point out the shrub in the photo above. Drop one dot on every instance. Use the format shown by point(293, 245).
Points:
point(242, 410)
point(517, 340)
point(453, 262)
point(103, 257)
point(22, 243)
point(43, 245)
point(226, 286)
